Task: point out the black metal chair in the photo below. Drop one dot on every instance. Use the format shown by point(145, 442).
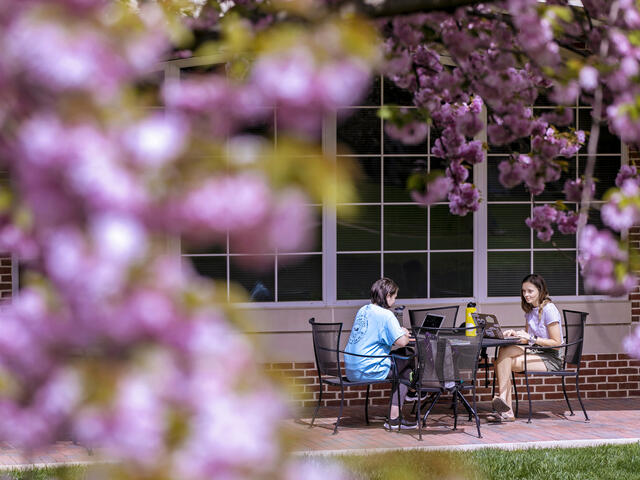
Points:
point(417, 316)
point(574, 336)
point(447, 362)
point(326, 347)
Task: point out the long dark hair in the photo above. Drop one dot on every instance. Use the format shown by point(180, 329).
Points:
point(380, 289)
point(543, 298)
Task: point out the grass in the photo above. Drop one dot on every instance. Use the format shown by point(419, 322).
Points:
point(72, 472)
point(610, 462)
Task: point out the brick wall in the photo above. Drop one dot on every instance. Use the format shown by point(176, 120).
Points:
point(610, 375)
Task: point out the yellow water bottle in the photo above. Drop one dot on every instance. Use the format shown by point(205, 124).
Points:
point(469, 323)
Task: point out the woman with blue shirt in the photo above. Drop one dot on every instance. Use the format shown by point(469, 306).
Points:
point(543, 328)
point(375, 330)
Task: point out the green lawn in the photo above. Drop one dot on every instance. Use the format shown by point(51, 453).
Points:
point(594, 463)
point(611, 462)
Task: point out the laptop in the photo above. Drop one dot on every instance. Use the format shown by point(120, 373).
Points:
point(432, 321)
point(493, 329)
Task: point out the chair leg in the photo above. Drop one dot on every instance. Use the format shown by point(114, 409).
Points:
point(335, 429)
point(515, 391)
point(366, 405)
point(455, 409)
point(566, 397)
point(317, 406)
point(586, 417)
point(418, 417)
point(468, 406)
point(424, 420)
point(526, 379)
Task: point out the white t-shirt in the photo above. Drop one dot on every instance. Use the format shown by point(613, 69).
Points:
point(538, 326)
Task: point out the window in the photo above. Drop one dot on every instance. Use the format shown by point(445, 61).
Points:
point(427, 251)
point(513, 250)
point(283, 276)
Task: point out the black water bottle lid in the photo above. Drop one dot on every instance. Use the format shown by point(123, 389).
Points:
point(471, 305)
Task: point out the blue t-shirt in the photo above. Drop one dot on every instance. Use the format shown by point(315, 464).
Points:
point(375, 329)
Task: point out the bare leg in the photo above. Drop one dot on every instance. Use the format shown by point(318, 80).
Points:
point(510, 359)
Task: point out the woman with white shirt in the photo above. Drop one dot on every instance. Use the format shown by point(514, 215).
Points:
point(543, 329)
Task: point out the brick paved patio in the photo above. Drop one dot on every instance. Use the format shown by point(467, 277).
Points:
point(612, 421)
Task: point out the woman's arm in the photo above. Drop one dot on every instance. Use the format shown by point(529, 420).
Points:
point(555, 336)
point(402, 341)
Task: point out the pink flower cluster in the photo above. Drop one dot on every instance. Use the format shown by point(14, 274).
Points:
point(114, 341)
point(603, 263)
point(545, 216)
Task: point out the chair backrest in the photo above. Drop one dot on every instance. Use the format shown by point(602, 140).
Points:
point(326, 347)
point(416, 316)
point(574, 332)
point(447, 357)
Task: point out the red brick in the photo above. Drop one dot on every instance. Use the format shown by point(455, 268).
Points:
point(304, 381)
point(552, 381)
point(312, 388)
point(607, 371)
point(625, 371)
point(607, 356)
point(607, 386)
point(596, 394)
point(554, 396)
point(619, 363)
point(597, 363)
point(304, 365)
point(545, 388)
point(617, 378)
point(617, 394)
point(634, 378)
point(589, 357)
point(282, 366)
point(588, 371)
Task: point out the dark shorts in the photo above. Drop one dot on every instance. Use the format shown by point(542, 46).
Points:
point(550, 357)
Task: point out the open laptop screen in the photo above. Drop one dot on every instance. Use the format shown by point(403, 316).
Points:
point(432, 320)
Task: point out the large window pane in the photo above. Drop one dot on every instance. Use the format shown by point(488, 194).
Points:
point(558, 269)
point(373, 98)
point(212, 267)
point(505, 272)
point(495, 189)
point(260, 285)
point(607, 142)
point(396, 96)
point(506, 227)
point(356, 273)
point(393, 146)
point(451, 275)
point(605, 172)
point(409, 271)
point(405, 227)
point(299, 278)
point(367, 178)
point(315, 231)
point(360, 231)
point(396, 172)
point(450, 232)
point(553, 190)
point(359, 129)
